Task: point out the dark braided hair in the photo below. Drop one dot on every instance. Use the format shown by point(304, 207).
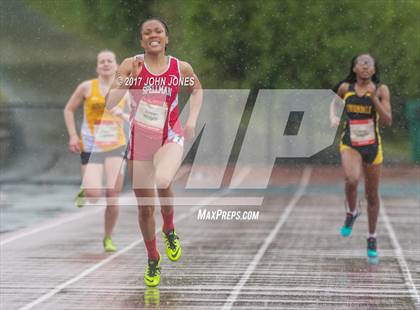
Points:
point(160, 20)
point(351, 77)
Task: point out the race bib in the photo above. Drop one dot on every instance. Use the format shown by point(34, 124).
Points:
point(151, 115)
point(362, 132)
point(106, 133)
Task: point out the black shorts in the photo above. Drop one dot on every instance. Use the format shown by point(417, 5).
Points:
point(371, 154)
point(99, 157)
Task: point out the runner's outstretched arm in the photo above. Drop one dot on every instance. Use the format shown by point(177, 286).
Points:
point(130, 67)
point(334, 119)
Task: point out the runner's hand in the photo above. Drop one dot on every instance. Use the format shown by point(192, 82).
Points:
point(334, 121)
point(74, 145)
point(137, 65)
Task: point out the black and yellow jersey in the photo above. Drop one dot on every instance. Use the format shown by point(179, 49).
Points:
point(361, 129)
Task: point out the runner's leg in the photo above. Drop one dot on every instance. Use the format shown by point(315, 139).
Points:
point(92, 181)
point(142, 175)
point(351, 161)
point(114, 182)
point(167, 161)
point(372, 177)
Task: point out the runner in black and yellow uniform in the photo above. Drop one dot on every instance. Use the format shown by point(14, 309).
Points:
point(361, 131)
point(366, 103)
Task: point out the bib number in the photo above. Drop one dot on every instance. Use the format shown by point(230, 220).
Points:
point(362, 132)
point(106, 133)
point(151, 115)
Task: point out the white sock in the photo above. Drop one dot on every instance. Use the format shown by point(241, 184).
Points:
point(354, 213)
point(372, 235)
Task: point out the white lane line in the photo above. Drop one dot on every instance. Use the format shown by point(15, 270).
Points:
point(251, 267)
point(129, 200)
point(50, 224)
point(95, 267)
point(88, 271)
point(248, 290)
point(400, 257)
point(193, 201)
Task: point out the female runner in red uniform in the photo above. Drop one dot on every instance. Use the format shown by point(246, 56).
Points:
point(156, 135)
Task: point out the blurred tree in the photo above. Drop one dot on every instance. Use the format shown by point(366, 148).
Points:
point(266, 44)
point(117, 20)
point(303, 44)
point(104, 24)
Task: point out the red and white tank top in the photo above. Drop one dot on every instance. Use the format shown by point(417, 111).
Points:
point(154, 102)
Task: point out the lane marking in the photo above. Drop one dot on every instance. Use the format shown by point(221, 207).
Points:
point(103, 262)
point(50, 224)
point(248, 290)
point(193, 201)
point(400, 257)
point(251, 267)
point(129, 200)
point(98, 265)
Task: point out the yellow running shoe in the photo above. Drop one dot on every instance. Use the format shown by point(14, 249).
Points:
point(80, 199)
point(152, 273)
point(109, 245)
point(173, 249)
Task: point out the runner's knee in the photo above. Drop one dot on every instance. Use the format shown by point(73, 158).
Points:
point(146, 212)
point(112, 192)
point(372, 199)
point(112, 197)
point(162, 181)
point(93, 195)
point(351, 181)
point(112, 208)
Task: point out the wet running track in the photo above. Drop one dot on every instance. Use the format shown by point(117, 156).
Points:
point(292, 257)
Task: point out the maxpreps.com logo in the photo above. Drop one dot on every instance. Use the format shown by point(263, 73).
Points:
point(224, 215)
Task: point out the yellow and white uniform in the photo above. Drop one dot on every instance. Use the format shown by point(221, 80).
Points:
point(101, 131)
